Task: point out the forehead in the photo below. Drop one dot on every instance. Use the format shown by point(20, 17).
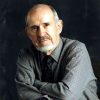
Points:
point(40, 13)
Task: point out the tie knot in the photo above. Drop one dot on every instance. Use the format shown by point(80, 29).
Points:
point(47, 59)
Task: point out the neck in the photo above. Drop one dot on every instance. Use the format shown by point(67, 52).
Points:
point(49, 52)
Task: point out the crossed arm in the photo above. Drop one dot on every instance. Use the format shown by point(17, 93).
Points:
point(69, 88)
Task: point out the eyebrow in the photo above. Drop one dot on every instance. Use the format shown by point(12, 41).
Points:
point(38, 25)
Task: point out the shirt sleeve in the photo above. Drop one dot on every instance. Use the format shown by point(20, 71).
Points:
point(25, 78)
point(76, 75)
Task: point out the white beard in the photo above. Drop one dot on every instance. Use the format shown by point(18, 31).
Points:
point(47, 48)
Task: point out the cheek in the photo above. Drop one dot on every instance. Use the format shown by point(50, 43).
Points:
point(55, 36)
point(33, 38)
point(51, 31)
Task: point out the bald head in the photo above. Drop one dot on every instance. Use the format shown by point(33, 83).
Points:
point(40, 8)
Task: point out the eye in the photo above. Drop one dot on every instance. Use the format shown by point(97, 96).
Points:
point(34, 28)
point(46, 24)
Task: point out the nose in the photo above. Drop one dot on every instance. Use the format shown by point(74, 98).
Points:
point(41, 31)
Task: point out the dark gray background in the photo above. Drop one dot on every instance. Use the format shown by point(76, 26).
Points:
point(81, 21)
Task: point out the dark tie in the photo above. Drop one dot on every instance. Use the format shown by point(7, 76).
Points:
point(47, 74)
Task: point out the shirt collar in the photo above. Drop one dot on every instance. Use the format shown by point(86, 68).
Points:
point(56, 53)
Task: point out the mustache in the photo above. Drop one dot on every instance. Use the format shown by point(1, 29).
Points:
point(42, 38)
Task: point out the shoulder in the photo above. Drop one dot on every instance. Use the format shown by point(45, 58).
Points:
point(75, 52)
point(26, 58)
point(27, 52)
point(71, 44)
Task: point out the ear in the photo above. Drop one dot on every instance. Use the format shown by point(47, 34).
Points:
point(60, 26)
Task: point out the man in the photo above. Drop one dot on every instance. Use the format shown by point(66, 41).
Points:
point(54, 68)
